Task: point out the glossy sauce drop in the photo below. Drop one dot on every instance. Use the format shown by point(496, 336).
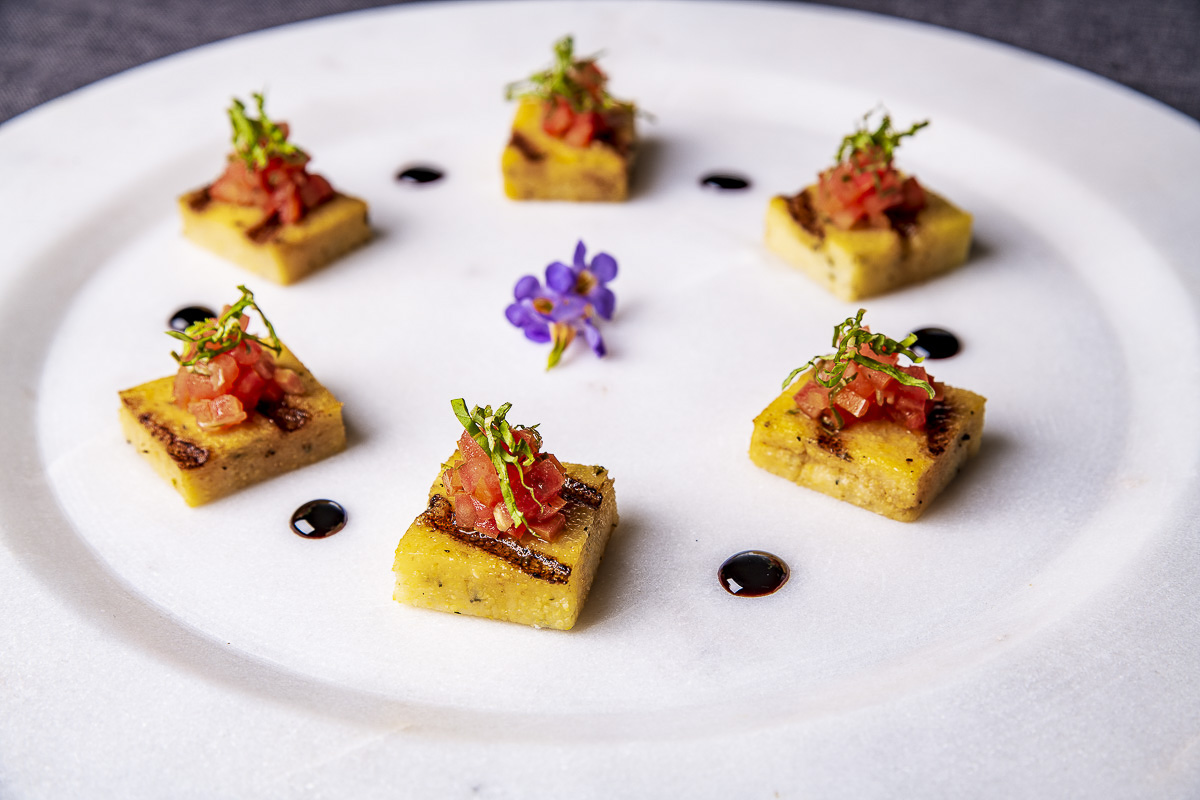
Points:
point(936, 343)
point(753, 573)
point(724, 183)
point(187, 316)
point(419, 174)
point(317, 519)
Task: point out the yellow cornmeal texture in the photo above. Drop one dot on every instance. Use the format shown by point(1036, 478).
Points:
point(538, 166)
point(285, 253)
point(206, 465)
point(458, 573)
point(878, 465)
point(862, 263)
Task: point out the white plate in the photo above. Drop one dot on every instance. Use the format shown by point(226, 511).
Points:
point(1037, 629)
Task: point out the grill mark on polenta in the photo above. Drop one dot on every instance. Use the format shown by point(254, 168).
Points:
point(832, 443)
point(287, 418)
point(264, 231)
point(198, 200)
point(939, 428)
point(526, 147)
point(188, 455)
point(440, 516)
point(575, 491)
point(800, 207)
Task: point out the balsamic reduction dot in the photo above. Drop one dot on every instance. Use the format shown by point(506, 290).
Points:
point(936, 343)
point(188, 316)
point(317, 519)
point(753, 573)
point(419, 174)
point(725, 183)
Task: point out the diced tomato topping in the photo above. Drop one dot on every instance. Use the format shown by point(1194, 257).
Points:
point(576, 128)
point(249, 388)
point(872, 394)
point(464, 511)
point(863, 190)
point(283, 187)
point(289, 381)
point(224, 410)
point(245, 375)
point(558, 117)
point(549, 528)
point(583, 129)
point(479, 502)
point(247, 352)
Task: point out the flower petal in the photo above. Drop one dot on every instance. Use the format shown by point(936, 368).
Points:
point(527, 287)
point(560, 277)
point(604, 267)
point(537, 331)
point(569, 308)
point(580, 255)
point(592, 334)
point(604, 301)
point(518, 315)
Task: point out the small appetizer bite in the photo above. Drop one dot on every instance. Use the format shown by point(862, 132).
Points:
point(511, 533)
point(570, 139)
point(857, 426)
point(267, 212)
point(865, 228)
point(573, 297)
point(240, 409)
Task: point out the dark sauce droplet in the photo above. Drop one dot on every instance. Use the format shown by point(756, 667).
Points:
point(419, 174)
point(936, 343)
point(753, 573)
point(724, 183)
point(189, 316)
point(317, 519)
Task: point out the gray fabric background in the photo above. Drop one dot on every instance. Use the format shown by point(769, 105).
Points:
point(50, 47)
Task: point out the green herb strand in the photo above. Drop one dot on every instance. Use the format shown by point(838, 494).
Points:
point(849, 337)
point(884, 139)
point(561, 81)
point(209, 338)
point(256, 141)
point(492, 432)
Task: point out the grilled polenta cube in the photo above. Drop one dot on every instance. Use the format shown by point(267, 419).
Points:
point(283, 253)
point(241, 409)
point(510, 533)
point(859, 426)
point(865, 262)
point(207, 465)
point(878, 465)
point(267, 212)
point(865, 228)
point(570, 139)
point(538, 166)
point(443, 567)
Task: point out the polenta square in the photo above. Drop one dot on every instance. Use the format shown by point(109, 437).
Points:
point(240, 409)
point(282, 253)
point(858, 425)
point(205, 465)
point(267, 212)
point(510, 532)
point(865, 228)
point(864, 262)
point(877, 464)
point(444, 567)
point(538, 166)
point(570, 140)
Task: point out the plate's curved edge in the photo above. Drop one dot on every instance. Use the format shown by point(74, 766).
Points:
point(17, 403)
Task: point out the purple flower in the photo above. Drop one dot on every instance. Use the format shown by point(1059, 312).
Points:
point(586, 280)
point(567, 305)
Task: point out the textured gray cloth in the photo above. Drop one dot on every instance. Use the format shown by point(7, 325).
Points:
point(49, 47)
